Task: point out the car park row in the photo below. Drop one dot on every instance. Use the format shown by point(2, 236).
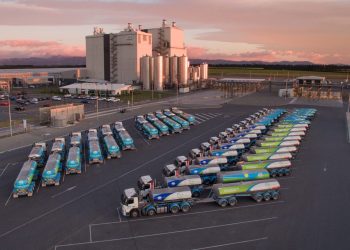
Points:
point(242, 161)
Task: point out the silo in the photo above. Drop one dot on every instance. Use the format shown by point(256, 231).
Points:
point(158, 73)
point(204, 71)
point(145, 72)
point(173, 70)
point(166, 79)
point(151, 72)
point(183, 76)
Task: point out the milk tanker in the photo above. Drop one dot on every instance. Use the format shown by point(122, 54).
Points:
point(228, 194)
point(263, 150)
point(275, 167)
point(266, 156)
point(278, 143)
point(52, 172)
point(111, 147)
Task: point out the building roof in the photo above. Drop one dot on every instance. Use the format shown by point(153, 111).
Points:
point(242, 80)
point(311, 78)
point(98, 86)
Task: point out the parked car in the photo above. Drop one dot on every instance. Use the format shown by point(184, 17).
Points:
point(84, 101)
point(102, 99)
point(12, 98)
point(67, 96)
point(34, 101)
point(113, 99)
point(5, 104)
point(93, 97)
point(56, 98)
point(20, 108)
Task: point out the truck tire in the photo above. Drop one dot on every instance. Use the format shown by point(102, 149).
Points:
point(175, 209)
point(186, 208)
point(258, 198)
point(267, 196)
point(222, 202)
point(275, 195)
point(134, 213)
point(232, 201)
point(151, 212)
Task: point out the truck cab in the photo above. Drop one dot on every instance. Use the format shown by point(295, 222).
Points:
point(139, 120)
point(92, 135)
point(75, 139)
point(38, 153)
point(195, 152)
point(131, 203)
point(118, 126)
point(181, 162)
point(223, 136)
point(145, 184)
point(106, 130)
point(169, 170)
point(58, 146)
point(206, 147)
point(215, 141)
point(229, 132)
point(159, 114)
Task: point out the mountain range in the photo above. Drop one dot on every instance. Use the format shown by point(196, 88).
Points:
point(56, 61)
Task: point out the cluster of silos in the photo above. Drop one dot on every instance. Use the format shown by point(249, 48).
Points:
point(198, 73)
point(158, 71)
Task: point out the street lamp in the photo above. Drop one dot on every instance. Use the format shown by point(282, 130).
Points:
point(9, 102)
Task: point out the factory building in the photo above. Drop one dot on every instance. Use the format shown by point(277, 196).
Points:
point(168, 40)
point(155, 58)
point(44, 76)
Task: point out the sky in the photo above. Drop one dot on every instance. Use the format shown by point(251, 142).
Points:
point(268, 30)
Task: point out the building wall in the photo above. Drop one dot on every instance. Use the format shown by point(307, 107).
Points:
point(127, 47)
point(173, 41)
point(95, 56)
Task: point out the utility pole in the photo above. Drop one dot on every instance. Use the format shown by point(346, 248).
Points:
point(9, 102)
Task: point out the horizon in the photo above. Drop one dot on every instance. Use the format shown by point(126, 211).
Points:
point(262, 30)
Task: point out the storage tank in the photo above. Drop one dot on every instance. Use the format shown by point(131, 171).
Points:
point(173, 70)
point(166, 79)
point(203, 71)
point(183, 76)
point(158, 73)
point(145, 72)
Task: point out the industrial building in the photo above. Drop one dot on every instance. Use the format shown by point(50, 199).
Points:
point(155, 58)
point(96, 88)
point(27, 77)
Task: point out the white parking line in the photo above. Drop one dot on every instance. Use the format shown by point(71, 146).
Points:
point(107, 182)
point(194, 213)
point(201, 116)
point(200, 119)
point(169, 233)
point(207, 116)
point(67, 190)
point(232, 243)
point(3, 171)
point(8, 199)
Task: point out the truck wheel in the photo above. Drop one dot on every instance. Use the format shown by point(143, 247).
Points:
point(174, 209)
point(267, 196)
point(196, 194)
point(275, 195)
point(258, 198)
point(185, 208)
point(222, 202)
point(232, 201)
point(151, 212)
point(134, 213)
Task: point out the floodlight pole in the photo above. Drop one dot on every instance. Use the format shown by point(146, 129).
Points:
point(9, 102)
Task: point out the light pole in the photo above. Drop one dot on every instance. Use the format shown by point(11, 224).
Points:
point(96, 93)
point(9, 102)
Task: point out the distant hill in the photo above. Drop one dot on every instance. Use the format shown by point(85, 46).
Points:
point(228, 62)
point(43, 61)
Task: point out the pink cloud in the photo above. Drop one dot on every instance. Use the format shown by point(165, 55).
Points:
point(36, 48)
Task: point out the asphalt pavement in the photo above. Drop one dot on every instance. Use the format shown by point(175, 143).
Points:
point(83, 212)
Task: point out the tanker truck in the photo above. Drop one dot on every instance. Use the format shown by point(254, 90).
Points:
point(227, 194)
point(263, 150)
point(266, 156)
point(275, 167)
point(159, 200)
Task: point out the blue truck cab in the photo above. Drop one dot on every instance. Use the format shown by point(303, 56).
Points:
point(38, 153)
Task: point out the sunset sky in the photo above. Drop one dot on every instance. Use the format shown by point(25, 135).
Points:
point(269, 30)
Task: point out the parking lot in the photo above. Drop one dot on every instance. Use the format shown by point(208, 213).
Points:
point(83, 212)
